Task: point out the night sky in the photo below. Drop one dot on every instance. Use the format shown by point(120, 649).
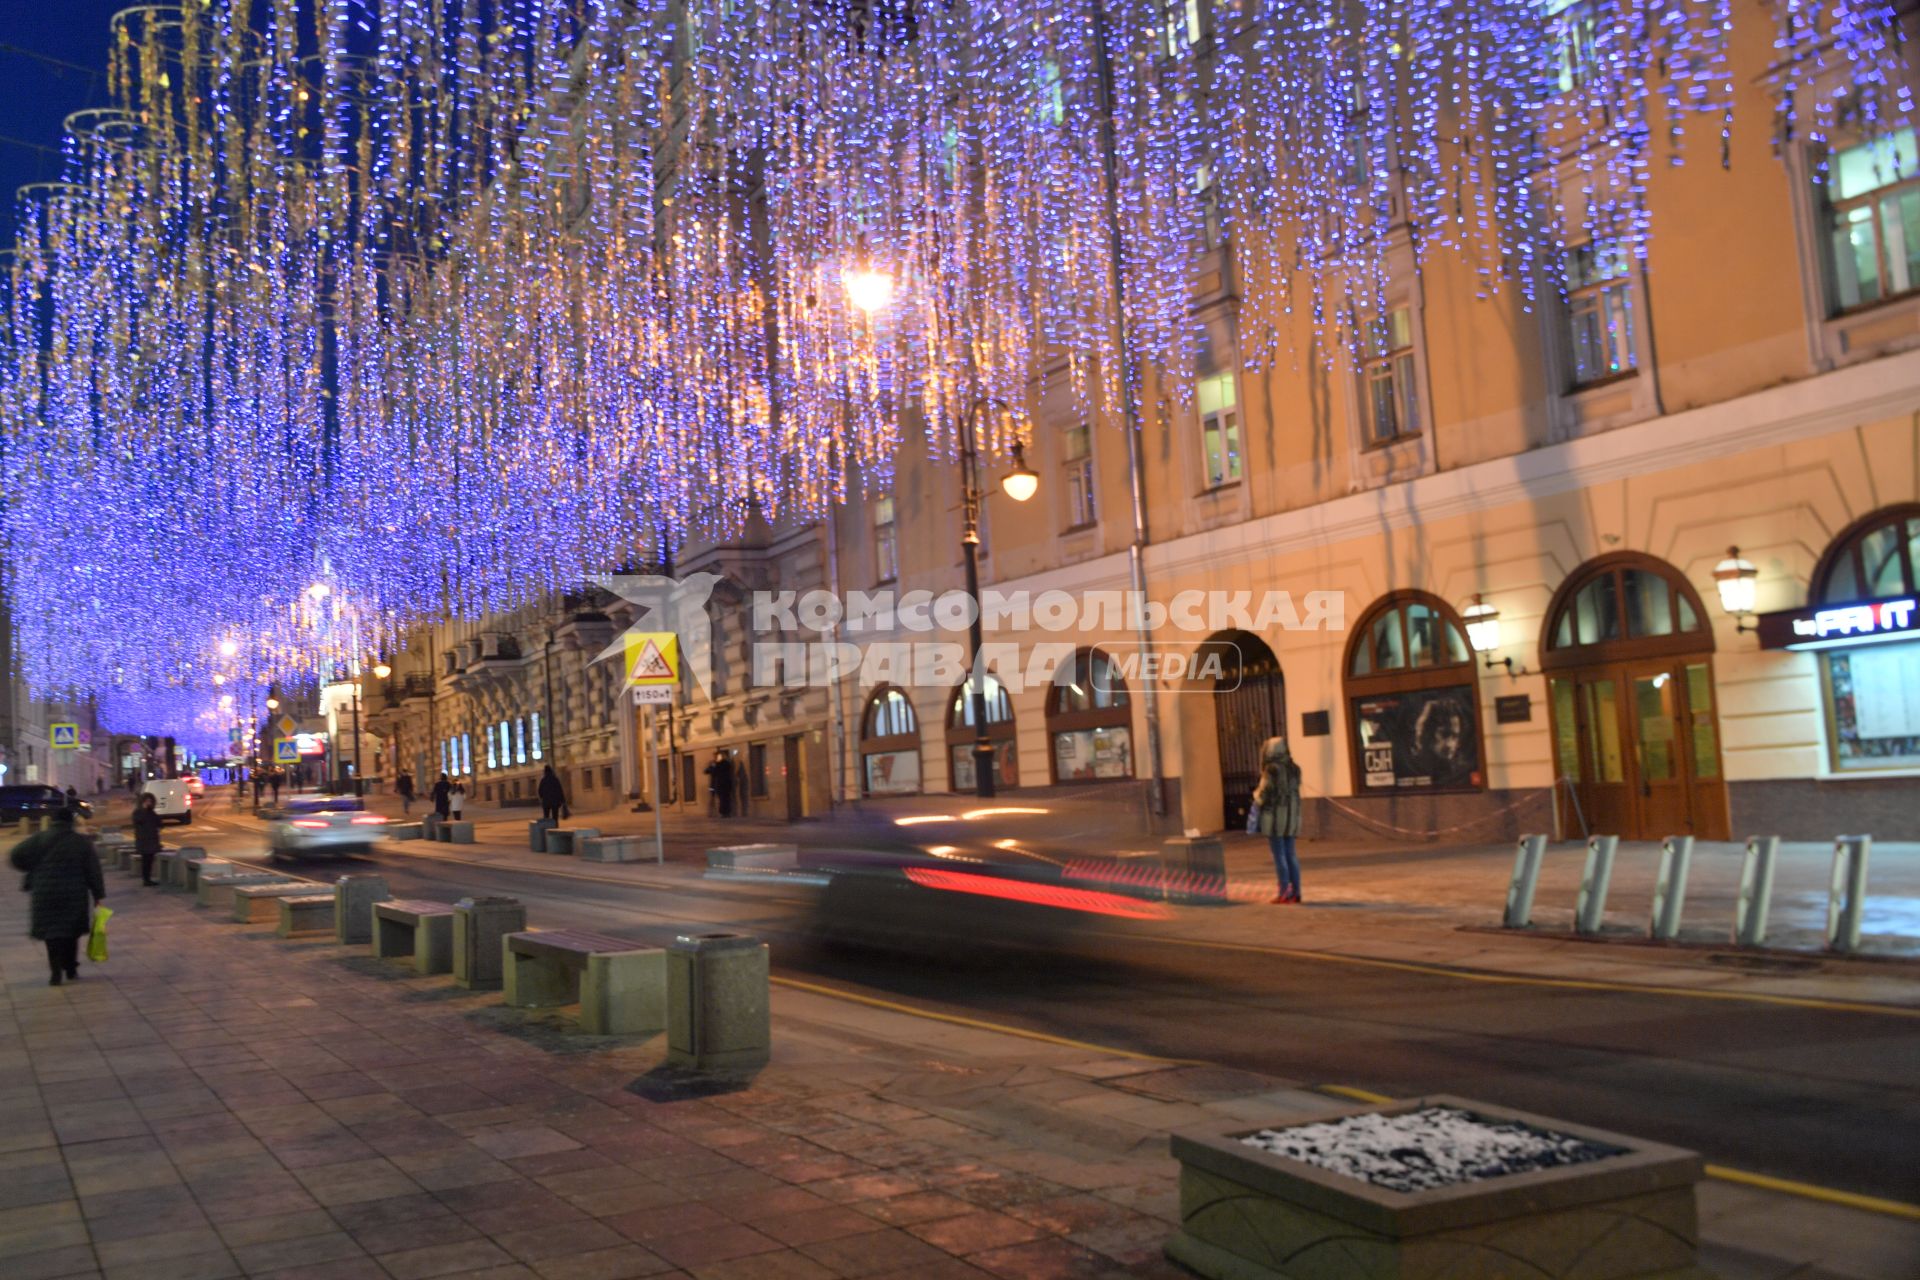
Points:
point(34, 96)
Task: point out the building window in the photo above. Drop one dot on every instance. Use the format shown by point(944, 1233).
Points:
point(1873, 690)
point(1389, 395)
point(1076, 449)
point(493, 761)
point(520, 740)
point(1571, 24)
point(886, 545)
point(1599, 313)
point(1208, 195)
point(1220, 429)
point(757, 769)
point(466, 754)
point(1873, 197)
point(1050, 93)
point(1182, 25)
point(1089, 721)
point(534, 719)
point(889, 745)
point(961, 736)
point(1413, 688)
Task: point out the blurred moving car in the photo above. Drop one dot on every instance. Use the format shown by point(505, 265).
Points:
point(34, 800)
point(195, 787)
point(172, 799)
point(323, 825)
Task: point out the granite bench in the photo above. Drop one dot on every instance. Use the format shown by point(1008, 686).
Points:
point(257, 903)
point(305, 913)
point(565, 840)
point(620, 984)
point(216, 891)
point(616, 848)
point(417, 930)
point(194, 868)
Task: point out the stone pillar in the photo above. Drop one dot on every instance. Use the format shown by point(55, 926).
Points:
point(479, 927)
point(718, 1008)
point(353, 899)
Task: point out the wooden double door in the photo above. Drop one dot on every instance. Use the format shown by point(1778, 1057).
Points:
point(1639, 742)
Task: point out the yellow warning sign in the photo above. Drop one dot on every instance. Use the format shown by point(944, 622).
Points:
point(653, 657)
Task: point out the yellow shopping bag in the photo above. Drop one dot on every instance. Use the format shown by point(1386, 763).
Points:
point(97, 940)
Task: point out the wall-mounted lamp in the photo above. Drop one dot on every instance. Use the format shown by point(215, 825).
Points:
point(1483, 633)
point(1737, 581)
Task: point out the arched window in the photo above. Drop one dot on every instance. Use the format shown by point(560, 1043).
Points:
point(1089, 720)
point(889, 744)
point(1873, 559)
point(1413, 691)
point(961, 735)
point(1623, 606)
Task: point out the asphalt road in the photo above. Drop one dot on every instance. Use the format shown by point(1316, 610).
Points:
point(1828, 1097)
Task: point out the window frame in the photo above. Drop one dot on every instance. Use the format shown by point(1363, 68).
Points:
point(1848, 544)
point(1080, 479)
point(1595, 292)
point(1224, 422)
point(999, 731)
point(1119, 715)
point(905, 740)
point(1625, 648)
point(886, 540)
point(1407, 678)
point(1829, 213)
point(1390, 361)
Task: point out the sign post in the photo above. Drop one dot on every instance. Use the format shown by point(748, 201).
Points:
point(653, 672)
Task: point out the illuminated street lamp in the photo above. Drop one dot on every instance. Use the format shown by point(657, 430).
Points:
point(1483, 632)
point(1737, 581)
point(868, 288)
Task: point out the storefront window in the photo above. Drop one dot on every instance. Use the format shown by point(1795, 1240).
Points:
point(961, 735)
point(890, 744)
point(1873, 690)
point(1413, 688)
point(1089, 721)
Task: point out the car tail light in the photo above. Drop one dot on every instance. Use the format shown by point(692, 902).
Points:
point(310, 824)
point(370, 820)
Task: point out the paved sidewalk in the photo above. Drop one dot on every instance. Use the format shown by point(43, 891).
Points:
point(215, 1101)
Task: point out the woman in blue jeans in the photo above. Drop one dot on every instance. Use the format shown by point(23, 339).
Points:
point(1278, 800)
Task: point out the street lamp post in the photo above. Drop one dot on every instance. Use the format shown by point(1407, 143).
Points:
point(1019, 485)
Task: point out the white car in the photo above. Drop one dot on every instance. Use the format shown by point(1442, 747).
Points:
point(324, 825)
point(172, 799)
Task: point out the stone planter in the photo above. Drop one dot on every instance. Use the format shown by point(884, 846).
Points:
point(1247, 1214)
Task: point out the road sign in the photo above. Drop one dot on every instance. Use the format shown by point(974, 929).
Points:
point(287, 725)
point(653, 695)
point(286, 751)
point(66, 737)
point(653, 658)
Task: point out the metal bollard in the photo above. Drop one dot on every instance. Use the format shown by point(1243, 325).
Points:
point(1847, 892)
point(1756, 891)
point(1526, 878)
point(1590, 907)
point(1670, 887)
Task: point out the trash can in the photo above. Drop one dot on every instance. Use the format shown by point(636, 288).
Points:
point(717, 1002)
point(479, 925)
point(353, 899)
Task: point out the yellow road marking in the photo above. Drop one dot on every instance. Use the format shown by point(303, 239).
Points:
point(1526, 980)
point(980, 1024)
point(1721, 1173)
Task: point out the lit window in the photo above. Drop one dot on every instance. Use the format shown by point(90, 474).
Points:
point(1220, 429)
point(1077, 452)
point(534, 719)
point(1051, 93)
point(493, 761)
point(1599, 313)
point(1390, 398)
point(1208, 195)
point(1571, 23)
point(1181, 25)
point(886, 546)
point(1873, 195)
point(520, 740)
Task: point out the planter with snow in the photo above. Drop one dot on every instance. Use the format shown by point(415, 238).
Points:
point(1435, 1188)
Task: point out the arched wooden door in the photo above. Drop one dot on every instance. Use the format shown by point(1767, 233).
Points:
point(1631, 695)
point(1249, 706)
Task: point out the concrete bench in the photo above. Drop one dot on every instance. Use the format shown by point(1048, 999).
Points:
point(305, 913)
point(565, 840)
point(217, 891)
point(406, 831)
point(353, 899)
point(416, 930)
point(459, 832)
point(193, 868)
point(537, 834)
point(430, 826)
point(163, 865)
point(753, 857)
point(256, 903)
point(621, 985)
point(175, 871)
point(616, 848)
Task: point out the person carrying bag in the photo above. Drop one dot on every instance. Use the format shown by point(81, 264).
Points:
point(61, 871)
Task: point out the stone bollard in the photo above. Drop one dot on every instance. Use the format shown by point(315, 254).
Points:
point(537, 833)
point(353, 899)
point(719, 1013)
point(430, 827)
point(1196, 868)
point(480, 927)
point(459, 832)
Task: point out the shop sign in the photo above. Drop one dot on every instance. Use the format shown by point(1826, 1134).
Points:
point(1835, 626)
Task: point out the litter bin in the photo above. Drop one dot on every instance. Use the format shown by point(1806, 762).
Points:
point(717, 1006)
point(479, 925)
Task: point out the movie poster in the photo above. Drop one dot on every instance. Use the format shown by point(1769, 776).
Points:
point(1422, 738)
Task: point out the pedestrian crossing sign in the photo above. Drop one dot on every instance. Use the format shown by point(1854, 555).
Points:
point(653, 658)
point(286, 751)
point(66, 737)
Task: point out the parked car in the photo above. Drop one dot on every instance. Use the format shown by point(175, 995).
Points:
point(323, 825)
point(35, 799)
point(172, 799)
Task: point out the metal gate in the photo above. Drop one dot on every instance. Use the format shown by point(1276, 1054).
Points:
point(1249, 706)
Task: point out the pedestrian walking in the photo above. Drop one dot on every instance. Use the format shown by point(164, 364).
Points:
point(62, 874)
point(403, 787)
point(1276, 814)
point(273, 780)
point(146, 836)
point(442, 798)
point(73, 798)
point(720, 782)
point(457, 801)
point(553, 796)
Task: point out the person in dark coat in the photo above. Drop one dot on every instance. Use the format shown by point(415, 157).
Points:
point(553, 796)
point(63, 876)
point(720, 781)
point(146, 836)
point(403, 787)
point(443, 797)
point(1278, 800)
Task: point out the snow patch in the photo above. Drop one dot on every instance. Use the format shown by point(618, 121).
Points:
point(1428, 1148)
